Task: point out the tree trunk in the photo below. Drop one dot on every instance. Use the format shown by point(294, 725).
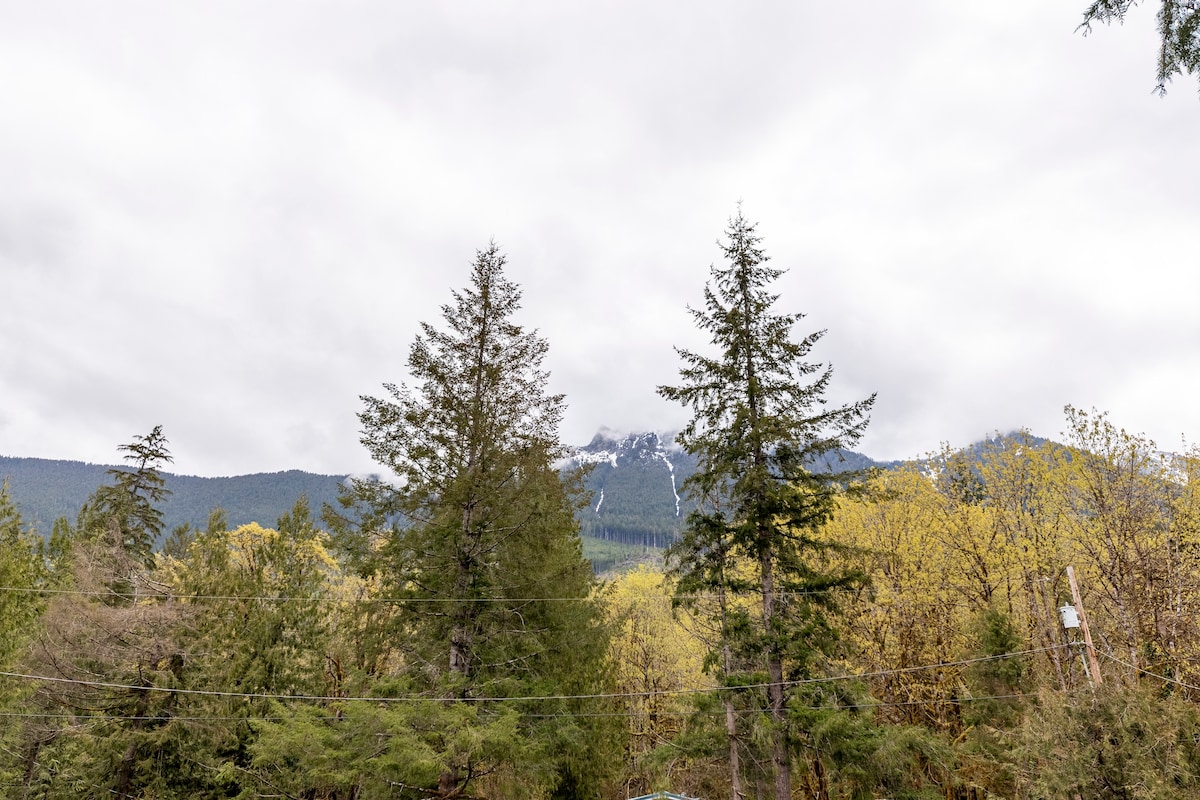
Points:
point(461, 634)
point(735, 766)
point(129, 757)
point(775, 695)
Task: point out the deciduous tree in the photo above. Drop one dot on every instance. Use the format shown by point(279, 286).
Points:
point(657, 660)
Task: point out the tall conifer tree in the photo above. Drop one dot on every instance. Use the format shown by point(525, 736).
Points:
point(131, 502)
point(760, 419)
point(477, 535)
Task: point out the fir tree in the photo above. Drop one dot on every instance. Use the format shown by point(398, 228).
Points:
point(760, 419)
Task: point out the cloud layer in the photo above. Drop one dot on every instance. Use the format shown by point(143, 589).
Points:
point(229, 220)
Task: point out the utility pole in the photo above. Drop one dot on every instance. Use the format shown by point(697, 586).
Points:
point(1087, 633)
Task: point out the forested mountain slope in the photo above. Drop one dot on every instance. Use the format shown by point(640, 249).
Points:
point(635, 483)
point(46, 489)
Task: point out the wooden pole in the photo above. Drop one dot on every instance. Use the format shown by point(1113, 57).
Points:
point(1087, 633)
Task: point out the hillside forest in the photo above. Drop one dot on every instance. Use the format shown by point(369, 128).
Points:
point(1020, 619)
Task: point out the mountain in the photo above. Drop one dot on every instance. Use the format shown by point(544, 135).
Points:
point(45, 489)
point(636, 484)
point(635, 481)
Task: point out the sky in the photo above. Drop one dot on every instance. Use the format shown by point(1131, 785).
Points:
point(229, 218)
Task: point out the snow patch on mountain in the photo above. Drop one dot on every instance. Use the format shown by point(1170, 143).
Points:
point(674, 488)
point(615, 459)
point(605, 447)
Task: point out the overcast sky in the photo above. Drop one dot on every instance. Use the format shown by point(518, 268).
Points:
point(228, 218)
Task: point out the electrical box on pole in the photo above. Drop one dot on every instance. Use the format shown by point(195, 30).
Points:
point(1083, 625)
point(1070, 617)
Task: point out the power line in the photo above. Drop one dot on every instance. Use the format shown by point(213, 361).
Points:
point(517, 699)
point(1163, 678)
point(330, 597)
point(867, 705)
point(141, 717)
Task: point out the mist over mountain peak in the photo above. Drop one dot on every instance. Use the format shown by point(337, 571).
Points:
point(611, 441)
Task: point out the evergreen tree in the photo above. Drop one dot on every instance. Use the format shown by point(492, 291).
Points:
point(131, 502)
point(22, 572)
point(109, 626)
point(260, 611)
point(1178, 31)
point(477, 536)
point(109, 662)
point(760, 419)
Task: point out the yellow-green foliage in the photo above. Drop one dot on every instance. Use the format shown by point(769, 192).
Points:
point(1132, 518)
point(657, 661)
point(916, 548)
point(655, 654)
point(948, 538)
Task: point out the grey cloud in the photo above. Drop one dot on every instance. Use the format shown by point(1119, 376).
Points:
point(990, 214)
